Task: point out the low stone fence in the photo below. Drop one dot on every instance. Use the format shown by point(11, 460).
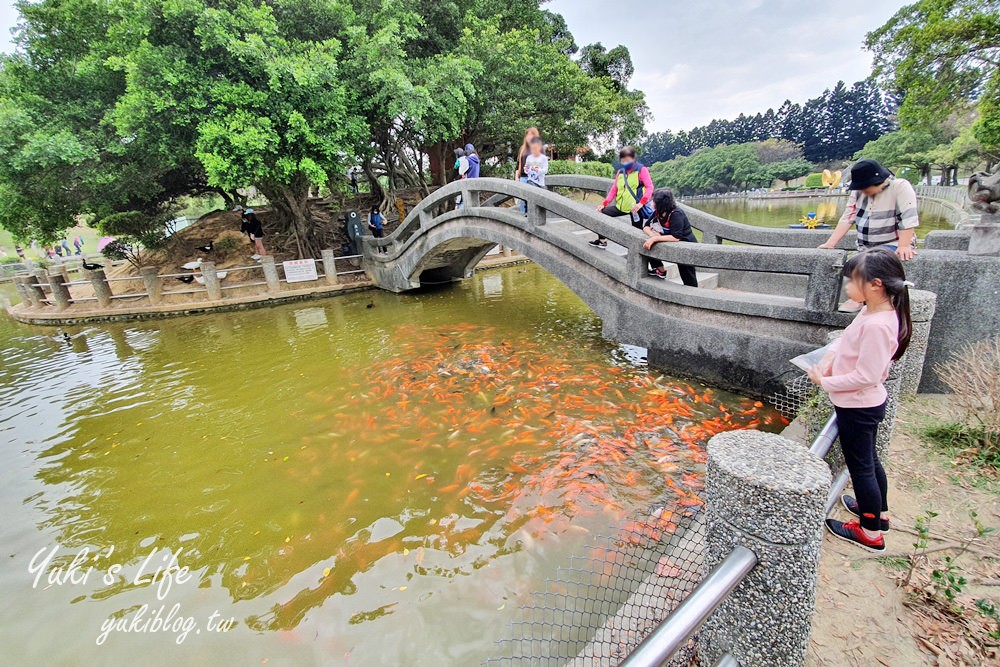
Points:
point(50, 296)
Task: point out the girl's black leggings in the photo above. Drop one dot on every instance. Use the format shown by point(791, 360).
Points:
point(858, 427)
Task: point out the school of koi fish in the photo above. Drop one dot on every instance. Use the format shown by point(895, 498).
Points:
point(541, 442)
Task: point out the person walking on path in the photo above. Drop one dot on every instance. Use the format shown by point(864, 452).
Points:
point(630, 193)
point(669, 224)
point(251, 226)
point(853, 373)
point(884, 210)
point(522, 155)
point(352, 176)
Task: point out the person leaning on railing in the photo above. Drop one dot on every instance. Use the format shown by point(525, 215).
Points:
point(884, 210)
point(669, 224)
point(629, 195)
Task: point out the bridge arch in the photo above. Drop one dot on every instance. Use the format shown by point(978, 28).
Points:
point(784, 304)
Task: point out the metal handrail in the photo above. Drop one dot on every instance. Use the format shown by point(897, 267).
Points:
point(692, 613)
point(661, 645)
point(826, 437)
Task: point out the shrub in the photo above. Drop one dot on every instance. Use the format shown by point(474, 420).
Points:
point(973, 375)
point(228, 244)
point(10, 259)
point(814, 181)
point(602, 169)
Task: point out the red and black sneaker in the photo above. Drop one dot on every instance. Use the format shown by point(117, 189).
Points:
point(851, 505)
point(851, 532)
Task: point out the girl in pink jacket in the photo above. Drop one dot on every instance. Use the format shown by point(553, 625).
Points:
point(853, 373)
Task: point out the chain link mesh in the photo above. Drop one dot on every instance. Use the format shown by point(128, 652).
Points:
point(601, 606)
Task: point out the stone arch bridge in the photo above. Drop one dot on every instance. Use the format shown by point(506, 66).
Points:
point(765, 295)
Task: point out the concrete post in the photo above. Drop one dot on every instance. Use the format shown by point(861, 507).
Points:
point(211, 281)
point(537, 215)
point(154, 285)
point(102, 290)
point(922, 306)
point(22, 291)
point(64, 270)
point(270, 273)
point(41, 277)
point(60, 293)
point(823, 291)
point(766, 493)
point(329, 266)
point(985, 239)
point(32, 295)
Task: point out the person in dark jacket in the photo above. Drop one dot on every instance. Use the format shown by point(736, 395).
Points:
point(473, 157)
point(669, 224)
point(250, 225)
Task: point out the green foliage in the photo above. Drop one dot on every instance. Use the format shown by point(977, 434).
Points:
point(228, 244)
point(832, 126)
point(583, 168)
point(941, 54)
point(120, 108)
point(814, 180)
point(969, 441)
point(719, 169)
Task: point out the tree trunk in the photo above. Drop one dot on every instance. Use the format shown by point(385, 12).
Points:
point(435, 157)
point(290, 204)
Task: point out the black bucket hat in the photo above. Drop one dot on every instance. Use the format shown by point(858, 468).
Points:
point(866, 173)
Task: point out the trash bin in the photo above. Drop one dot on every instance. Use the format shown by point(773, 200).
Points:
point(355, 230)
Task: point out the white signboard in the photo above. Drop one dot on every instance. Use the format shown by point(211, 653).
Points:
point(300, 270)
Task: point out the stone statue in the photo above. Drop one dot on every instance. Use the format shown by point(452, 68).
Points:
point(984, 191)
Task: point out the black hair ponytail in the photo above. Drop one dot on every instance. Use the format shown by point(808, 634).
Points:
point(885, 265)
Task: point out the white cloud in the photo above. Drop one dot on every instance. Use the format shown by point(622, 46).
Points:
point(704, 59)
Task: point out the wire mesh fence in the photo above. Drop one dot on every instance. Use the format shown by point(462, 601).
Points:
point(600, 606)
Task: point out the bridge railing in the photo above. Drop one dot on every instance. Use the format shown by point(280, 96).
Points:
point(786, 254)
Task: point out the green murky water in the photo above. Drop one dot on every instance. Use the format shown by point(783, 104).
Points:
point(366, 480)
point(783, 212)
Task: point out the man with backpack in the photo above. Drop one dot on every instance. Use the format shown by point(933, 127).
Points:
point(629, 195)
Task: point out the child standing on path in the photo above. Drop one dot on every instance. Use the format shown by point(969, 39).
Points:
point(853, 373)
point(536, 164)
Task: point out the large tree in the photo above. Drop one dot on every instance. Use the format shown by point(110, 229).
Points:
point(943, 55)
point(116, 109)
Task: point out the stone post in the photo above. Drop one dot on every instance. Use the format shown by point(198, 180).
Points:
point(537, 215)
point(22, 291)
point(41, 277)
point(30, 291)
point(922, 306)
point(211, 281)
point(270, 273)
point(60, 293)
point(102, 290)
point(329, 266)
point(154, 285)
point(64, 270)
point(985, 239)
point(766, 493)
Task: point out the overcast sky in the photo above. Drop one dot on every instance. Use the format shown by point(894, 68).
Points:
point(703, 59)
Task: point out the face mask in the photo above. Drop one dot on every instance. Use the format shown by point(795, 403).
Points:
point(627, 165)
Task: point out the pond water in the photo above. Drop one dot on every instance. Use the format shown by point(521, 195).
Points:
point(373, 479)
point(784, 212)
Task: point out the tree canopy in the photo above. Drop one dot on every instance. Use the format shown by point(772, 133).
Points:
point(943, 56)
point(730, 167)
point(123, 108)
point(832, 126)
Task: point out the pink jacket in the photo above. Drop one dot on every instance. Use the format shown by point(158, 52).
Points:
point(861, 360)
point(647, 187)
